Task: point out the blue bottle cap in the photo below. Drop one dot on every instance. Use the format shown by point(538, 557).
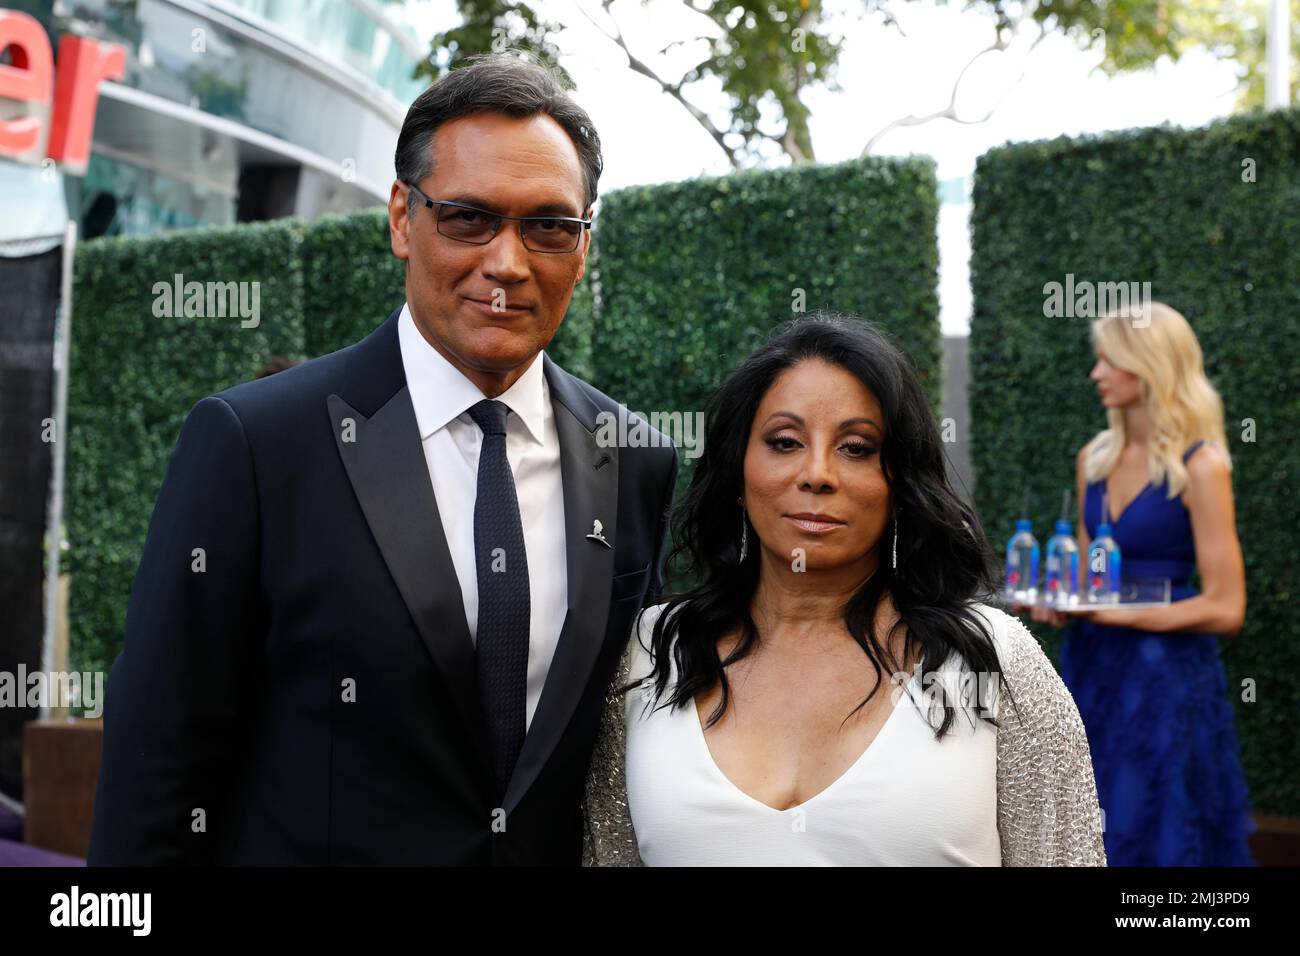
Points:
point(1103, 530)
point(1063, 527)
point(1024, 524)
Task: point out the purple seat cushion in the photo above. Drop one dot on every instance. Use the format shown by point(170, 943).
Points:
point(20, 854)
point(11, 824)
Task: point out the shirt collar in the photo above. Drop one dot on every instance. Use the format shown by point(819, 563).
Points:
point(441, 392)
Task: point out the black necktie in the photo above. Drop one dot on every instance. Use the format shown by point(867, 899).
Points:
point(503, 603)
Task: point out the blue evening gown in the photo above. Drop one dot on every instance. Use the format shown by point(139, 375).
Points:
point(1156, 709)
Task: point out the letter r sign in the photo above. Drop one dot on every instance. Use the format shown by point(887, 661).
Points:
point(74, 92)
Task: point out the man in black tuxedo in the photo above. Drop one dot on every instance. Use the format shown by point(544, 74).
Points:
point(384, 592)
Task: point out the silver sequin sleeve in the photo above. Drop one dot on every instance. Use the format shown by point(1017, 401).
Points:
point(608, 839)
point(1047, 798)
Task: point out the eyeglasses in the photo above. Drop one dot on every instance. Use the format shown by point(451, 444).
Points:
point(551, 234)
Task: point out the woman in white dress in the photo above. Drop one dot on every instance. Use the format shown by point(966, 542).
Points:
point(830, 691)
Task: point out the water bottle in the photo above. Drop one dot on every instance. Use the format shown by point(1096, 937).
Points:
point(1061, 578)
point(1022, 564)
point(1103, 568)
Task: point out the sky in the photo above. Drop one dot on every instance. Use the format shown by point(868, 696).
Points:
point(884, 74)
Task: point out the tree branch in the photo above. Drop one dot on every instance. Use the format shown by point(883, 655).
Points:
point(949, 112)
point(637, 65)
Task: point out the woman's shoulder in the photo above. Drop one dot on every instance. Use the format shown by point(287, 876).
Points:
point(645, 625)
point(1011, 639)
point(1091, 446)
point(1206, 459)
point(639, 657)
point(1025, 666)
point(646, 617)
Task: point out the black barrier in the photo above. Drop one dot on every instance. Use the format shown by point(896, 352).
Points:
point(29, 297)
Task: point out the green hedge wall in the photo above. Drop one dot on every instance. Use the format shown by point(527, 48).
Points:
point(694, 275)
point(351, 279)
point(682, 281)
point(134, 377)
point(1168, 206)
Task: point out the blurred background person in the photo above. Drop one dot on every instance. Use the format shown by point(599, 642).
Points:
point(1149, 683)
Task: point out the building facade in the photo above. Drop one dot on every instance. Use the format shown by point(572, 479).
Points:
point(227, 111)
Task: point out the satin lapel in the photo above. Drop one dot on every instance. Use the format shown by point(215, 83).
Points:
point(589, 474)
point(386, 465)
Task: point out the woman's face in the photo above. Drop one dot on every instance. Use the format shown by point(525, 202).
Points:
point(814, 450)
point(1116, 387)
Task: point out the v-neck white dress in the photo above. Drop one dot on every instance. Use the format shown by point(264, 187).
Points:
point(908, 800)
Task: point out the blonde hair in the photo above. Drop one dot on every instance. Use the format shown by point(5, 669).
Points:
point(1155, 343)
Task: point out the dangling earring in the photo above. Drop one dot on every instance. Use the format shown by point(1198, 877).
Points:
point(895, 543)
point(744, 533)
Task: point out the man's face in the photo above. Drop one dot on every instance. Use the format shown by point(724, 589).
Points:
point(515, 167)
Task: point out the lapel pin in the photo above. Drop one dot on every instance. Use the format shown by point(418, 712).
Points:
point(597, 534)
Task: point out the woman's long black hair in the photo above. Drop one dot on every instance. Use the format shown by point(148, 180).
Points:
point(945, 564)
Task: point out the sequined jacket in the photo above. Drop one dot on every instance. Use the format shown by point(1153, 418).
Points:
point(1047, 798)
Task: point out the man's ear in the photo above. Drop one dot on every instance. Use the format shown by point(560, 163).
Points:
point(399, 221)
point(586, 247)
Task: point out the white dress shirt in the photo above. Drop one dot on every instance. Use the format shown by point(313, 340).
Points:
point(442, 397)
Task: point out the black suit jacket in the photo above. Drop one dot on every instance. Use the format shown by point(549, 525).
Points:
point(298, 684)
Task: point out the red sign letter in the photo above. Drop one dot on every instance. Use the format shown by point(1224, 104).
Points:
point(28, 79)
point(82, 64)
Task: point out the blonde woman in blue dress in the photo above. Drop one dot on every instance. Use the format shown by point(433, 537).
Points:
point(1150, 683)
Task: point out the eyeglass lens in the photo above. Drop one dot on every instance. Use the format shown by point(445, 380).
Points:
point(540, 235)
